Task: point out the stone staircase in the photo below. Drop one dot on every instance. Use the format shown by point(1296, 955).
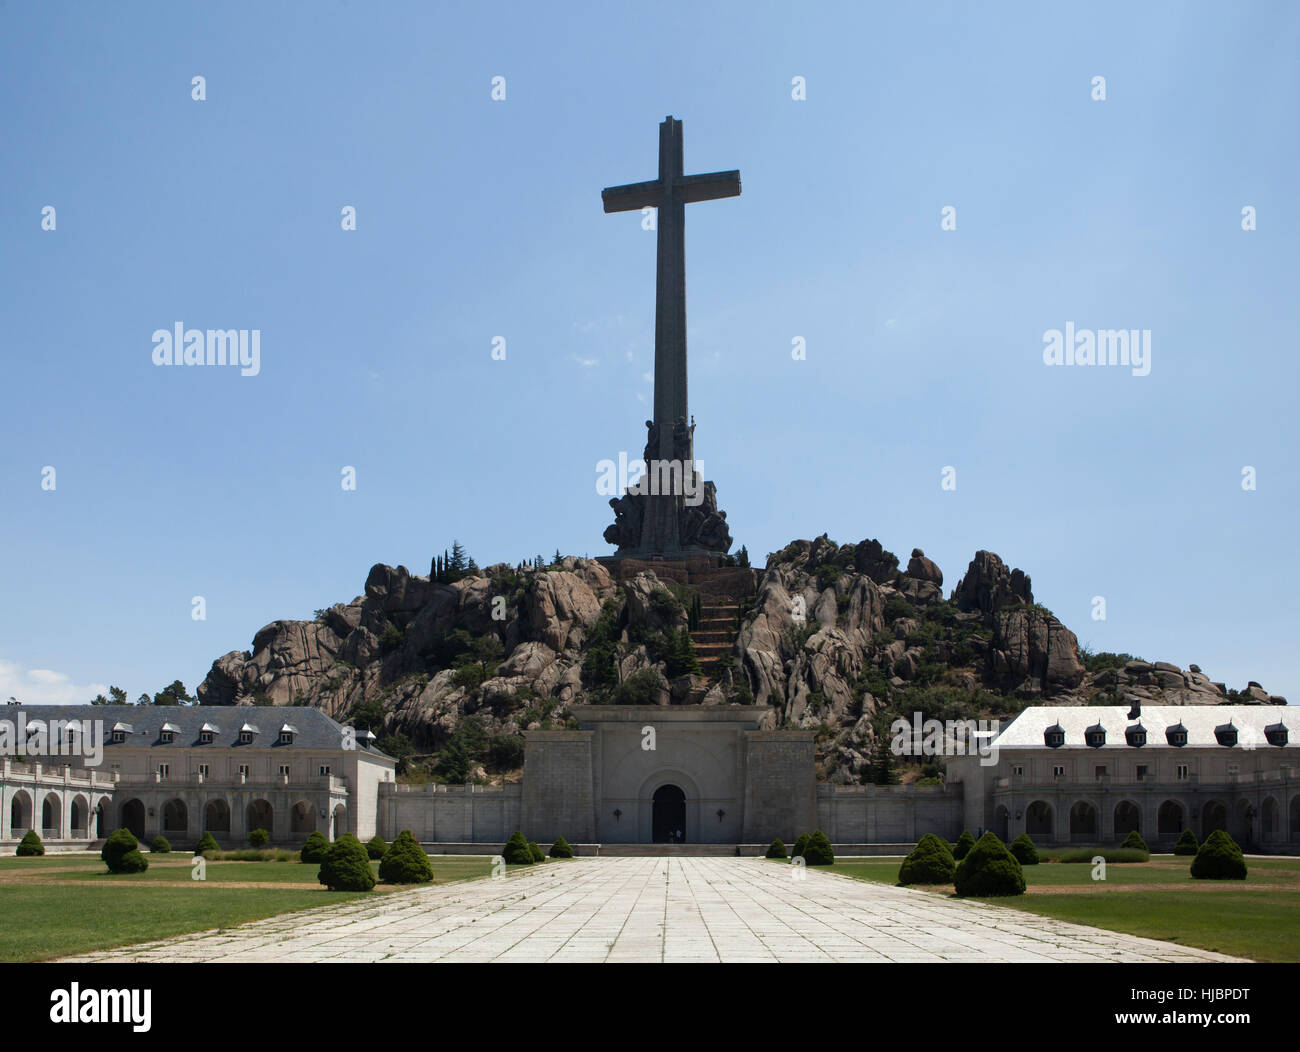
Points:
point(716, 634)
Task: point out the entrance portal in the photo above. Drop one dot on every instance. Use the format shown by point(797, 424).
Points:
point(669, 815)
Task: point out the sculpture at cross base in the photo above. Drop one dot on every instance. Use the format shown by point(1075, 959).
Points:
point(665, 524)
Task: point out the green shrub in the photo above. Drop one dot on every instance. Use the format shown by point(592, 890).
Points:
point(1219, 859)
point(132, 862)
point(346, 866)
point(1024, 850)
point(405, 862)
point(314, 849)
point(376, 846)
point(776, 849)
point(561, 849)
point(964, 843)
point(207, 842)
point(160, 846)
point(119, 842)
point(1187, 844)
point(517, 852)
point(799, 846)
point(536, 852)
point(258, 838)
point(30, 844)
point(988, 870)
point(1134, 840)
point(818, 851)
point(930, 862)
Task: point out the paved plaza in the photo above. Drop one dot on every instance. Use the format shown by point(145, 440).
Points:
point(659, 909)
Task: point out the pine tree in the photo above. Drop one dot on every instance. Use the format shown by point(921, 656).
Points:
point(558, 558)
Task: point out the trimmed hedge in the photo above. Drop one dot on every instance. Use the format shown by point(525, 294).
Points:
point(930, 862)
point(536, 851)
point(1024, 851)
point(405, 862)
point(258, 838)
point(1187, 844)
point(30, 844)
point(119, 844)
point(776, 849)
point(517, 852)
point(1135, 841)
point(818, 851)
point(314, 849)
point(132, 862)
point(988, 870)
point(964, 843)
point(1219, 858)
point(1110, 854)
point(561, 849)
point(376, 846)
point(799, 845)
point(207, 842)
point(346, 866)
point(160, 846)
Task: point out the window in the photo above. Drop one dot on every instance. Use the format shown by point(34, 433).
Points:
point(163, 770)
point(1181, 772)
point(245, 737)
point(1141, 772)
point(324, 768)
point(1054, 736)
point(1058, 771)
point(1234, 768)
point(203, 770)
point(205, 737)
point(1099, 772)
point(166, 737)
point(243, 770)
point(284, 770)
point(119, 737)
point(1018, 769)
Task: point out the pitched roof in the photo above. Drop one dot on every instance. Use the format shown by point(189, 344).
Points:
point(1026, 730)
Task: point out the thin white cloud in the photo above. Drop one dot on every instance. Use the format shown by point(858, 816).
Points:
point(586, 363)
point(43, 686)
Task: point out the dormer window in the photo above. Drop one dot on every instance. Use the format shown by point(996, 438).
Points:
point(286, 734)
point(368, 739)
point(168, 733)
point(1176, 735)
point(1136, 735)
point(1095, 736)
point(247, 733)
point(166, 737)
point(207, 734)
point(1276, 734)
point(1226, 734)
point(1054, 736)
point(120, 732)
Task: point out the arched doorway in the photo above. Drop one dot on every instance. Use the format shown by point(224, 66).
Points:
point(133, 818)
point(260, 816)
point(51, 816)
point(216, 817)
point(1128, 819)
point(80, 817)
point(302, 819)
point(668, 815)
point(1038, 819)
point(1215, 816)
point(1083, 822)
point(101, 819)
point(20, 814)
point(1169, 820)
point(1268, 824)
point(340, 821)
point(176, 817)
point(1001, 822)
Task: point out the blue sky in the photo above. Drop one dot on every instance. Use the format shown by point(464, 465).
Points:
point(479, 218)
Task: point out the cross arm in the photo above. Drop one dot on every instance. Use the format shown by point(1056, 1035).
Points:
point(632, 196)
point(707, 187)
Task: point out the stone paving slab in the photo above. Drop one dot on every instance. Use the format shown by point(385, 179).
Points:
point(613, 909)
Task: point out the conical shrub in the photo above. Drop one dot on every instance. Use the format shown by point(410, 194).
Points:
point(314, 849)
point(930, 862)
point(405, 862)
point(1187, 844)
point(818, 851)
point(346, 867)
point(30, 844)
point(517, 852)
point(776, 849)
point(561, 849)
point(964, 843)
point(1134, 840)
point(1219, 858)
point(989, 869)
point(1024, 850)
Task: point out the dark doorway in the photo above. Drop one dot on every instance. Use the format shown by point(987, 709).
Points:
point(669, 821)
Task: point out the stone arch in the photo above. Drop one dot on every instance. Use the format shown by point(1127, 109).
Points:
point(690, 791)
point(1083, 822)
point(20, 813)
point(51, 815)
point(216, 816)
point(339, 820)
point(1002, 822)
point(1295, 817)
point(302, 819)
point(80, 815)
point(102, 817)
point(1170, 820)
point(132, 817)
point(1270, 830)
point(1128, 819)
point(175, 817)
point(1038, 818)
point(1214, 815)
point(261, 816)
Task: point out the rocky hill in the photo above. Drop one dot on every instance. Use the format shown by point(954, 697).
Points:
point(449, 669)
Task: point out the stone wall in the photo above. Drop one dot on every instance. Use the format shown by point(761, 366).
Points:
point(557, 787)
point(888, 814)
point(450, 813)
point(781, 787)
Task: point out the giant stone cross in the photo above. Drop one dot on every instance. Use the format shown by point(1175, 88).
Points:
point(659, 525)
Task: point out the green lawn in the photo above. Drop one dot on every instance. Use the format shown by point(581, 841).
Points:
point(1258, 918)
point(59, 905)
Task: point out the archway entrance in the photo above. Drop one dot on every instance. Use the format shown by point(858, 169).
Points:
point(668, 821)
